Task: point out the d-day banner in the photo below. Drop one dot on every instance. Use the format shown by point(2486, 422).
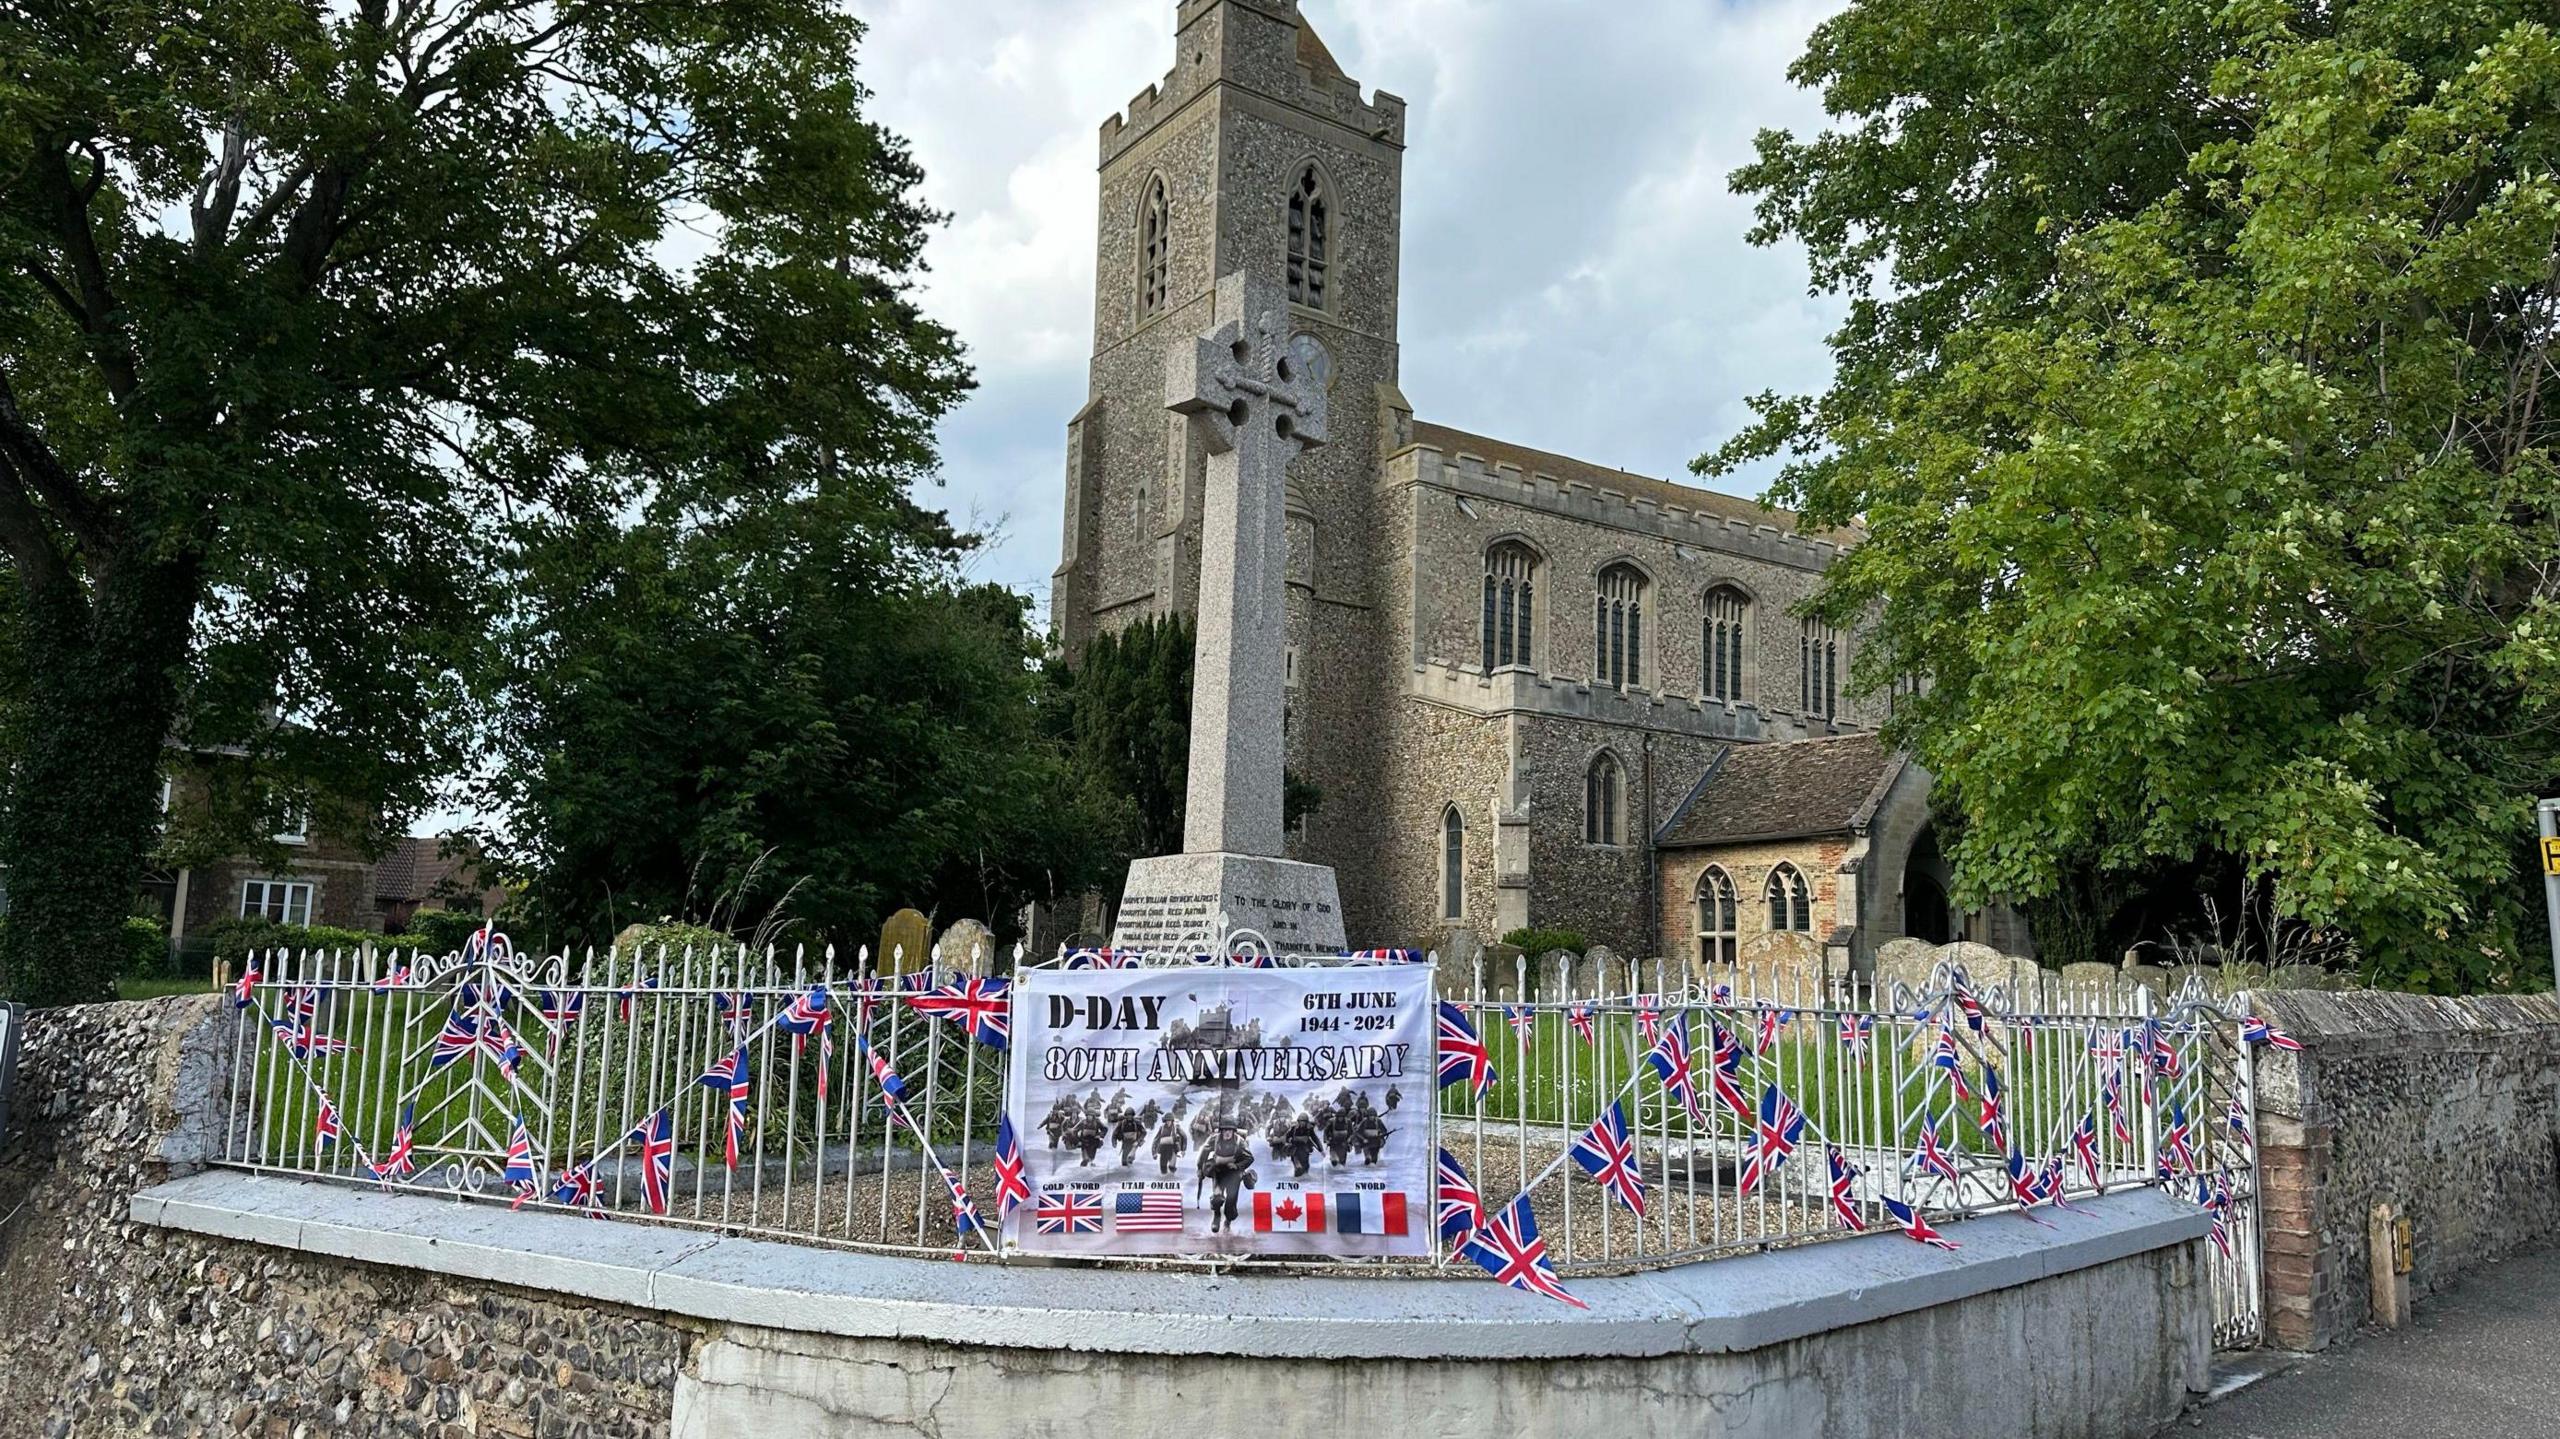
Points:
point(1224, 1111)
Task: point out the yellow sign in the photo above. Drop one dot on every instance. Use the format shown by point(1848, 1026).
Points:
point(2551, 856)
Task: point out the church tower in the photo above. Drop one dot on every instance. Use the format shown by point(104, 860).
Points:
point(1257, 154)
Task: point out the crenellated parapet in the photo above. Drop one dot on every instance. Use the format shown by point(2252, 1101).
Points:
point(1268, 59)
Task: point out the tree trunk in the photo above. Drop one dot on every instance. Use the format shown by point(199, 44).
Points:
point(83, 811)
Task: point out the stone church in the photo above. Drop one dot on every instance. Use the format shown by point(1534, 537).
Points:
point(1533, 692)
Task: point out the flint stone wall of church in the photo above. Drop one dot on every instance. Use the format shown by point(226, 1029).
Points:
point(108, 1327)
point(1600, 890)
point(2446, 1109)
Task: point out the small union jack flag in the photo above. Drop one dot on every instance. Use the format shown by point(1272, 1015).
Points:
point(734, 1006)
point(399, 977)
point(1067, 1211)
point(1461, 1207)
point(459, 1038)
point(1971, 1006)
point(1606, 1154)
point(1844, 1202)
point(2111, 1093)
point(1522, 1019)
point(1932, 1156)
point(1771, 1021)
point(978, 1005)
point(2220, 1205)
point(577, 1189)
point(1856, 1033)
point(964, 1213)
point(892, 1088)
point(1098, 959)
point(1916, 1225)
point(1992, 1120)
point(1781, 1128)
point(503, 1046)
point(2084, 1142)
point(520, 1168)
point(1946, 1058)
point(626, 996)
point(1508, 1247)
point(326, 1127)
point(1670, 1060)
point(401, 1161)
point(2175, 1157)
point(2254, 1030)
point(248, 981)
point(1648, 1016)
point(1724, 1072)
point(1462, 1053)
point(2164, 1051)
point(730, 1076)
point(1011, 1187)
point(805, 1015)
point(2022, 1183)
point(658, 1160)
point(1579, 1016)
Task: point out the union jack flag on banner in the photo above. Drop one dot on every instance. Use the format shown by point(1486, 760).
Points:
point(2175, 1157)
point(1507, 1246)
point(730, 1076)
point(978, 1005)
point(1648, 1016)
point(1915, 1225)
point(964, 1213)
point(2220, 1206)
point(1461, 1207)
point(2022, 1184)
point(1606, 1154)
point(1462, 1053)
point(1011, 1187)
point(1856, 1032)
point(734, 1006)
point(1386, 956)
point(1781, 1128)
point(1844, 1201)
point(559, 1008)
point(503, 1046)
point(2254, 1030)
point(2237, 1116)
point(1579, 1016)
point(1096, 959)
point(1670, 1060)
point(1068, 1211)
point(401, 1161)
point(626, 996)
point(657, 1136)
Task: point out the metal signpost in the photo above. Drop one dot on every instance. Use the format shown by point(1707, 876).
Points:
point(2549, 814)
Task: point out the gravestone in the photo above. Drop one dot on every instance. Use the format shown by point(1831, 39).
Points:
point(1255, 397)
point(969, 947)
point(906, 928)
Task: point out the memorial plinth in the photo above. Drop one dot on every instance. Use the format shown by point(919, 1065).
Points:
point(1255, 395)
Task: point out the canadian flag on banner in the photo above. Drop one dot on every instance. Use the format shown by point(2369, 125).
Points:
point(1287, 1213)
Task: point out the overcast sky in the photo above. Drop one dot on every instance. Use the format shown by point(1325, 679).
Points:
point(1575, 273)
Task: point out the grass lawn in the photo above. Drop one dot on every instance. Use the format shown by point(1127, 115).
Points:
point(154, 986)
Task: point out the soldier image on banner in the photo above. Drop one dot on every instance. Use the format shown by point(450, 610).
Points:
point(1223, 1111)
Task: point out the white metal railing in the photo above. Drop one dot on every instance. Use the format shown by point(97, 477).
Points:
point(606, 1083)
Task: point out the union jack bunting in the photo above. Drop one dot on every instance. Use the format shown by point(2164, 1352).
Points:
point(978, 1005)
point(459, 1037)
point(326, 1128)
point(1507, 1246)
point(734, 1006)
point(1724, 1072)
point(1648, 1016)
point(1781, 1128)
point(2237, 1116)
point(1067, 1211)
point(560, 1006)
point(626, 997)
point(578, 1189)
point(2109, 1043)
point(2084, 1142)
point(398, 978)
point(1992, 1120)
point(892, 1088)
point(504, 1047)
point(2022, 1182)
point(2220, 1206)
point(1932, 1156)
point(964, 1213)
point(2164, 1051)
point(520, 1170)
point(1579, 1016)
point(2111, 1093)
point(1916, 1225)
point(1670, 1060)
point(1461, 1207)
point(2175, 1157)
point(1522, 1019)
point(303, 1004)
point(1385, 956)
point(2254, 1030)
point(1771, 1021)
point(248, 981)
point(730, 1077)
point(805, 1015)
point(2050, 1181)
point(1011, 1187)
point(401, 1160)
point(1462, 1053)
point(657, 1136)
point(1606, 1154)
point(1971, 1006)
point(1946, 1058)
point(1844, 1202)
point(1857, 1031)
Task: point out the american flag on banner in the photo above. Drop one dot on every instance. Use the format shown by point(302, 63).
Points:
point(1147, 1211)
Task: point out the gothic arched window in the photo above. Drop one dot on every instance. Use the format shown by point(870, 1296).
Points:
point(1617, 628)
point(1155, 249)
point(1310, 239)
point(1604, 788)
point(1453, 865)
point(1728, 631)
point(1718, 936)
point(1819, 651)
point(1510, 605)
point(1790, 902)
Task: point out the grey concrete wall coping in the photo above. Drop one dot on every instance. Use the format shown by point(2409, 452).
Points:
point(1723, 1306)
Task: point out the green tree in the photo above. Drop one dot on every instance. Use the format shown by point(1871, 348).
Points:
point(782, 726)
point(304, 307)
point(2197, 395)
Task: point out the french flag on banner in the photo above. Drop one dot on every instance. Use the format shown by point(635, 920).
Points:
point(1358, 1212)
point(1288, 1213)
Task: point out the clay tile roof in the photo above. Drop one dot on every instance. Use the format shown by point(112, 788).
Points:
point(1313, 54)
point(1568, 469)
point(1784, 791)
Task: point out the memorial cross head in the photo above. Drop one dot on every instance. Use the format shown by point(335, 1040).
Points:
point(1249, 378)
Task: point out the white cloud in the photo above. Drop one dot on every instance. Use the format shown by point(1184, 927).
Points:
point(1576, 276)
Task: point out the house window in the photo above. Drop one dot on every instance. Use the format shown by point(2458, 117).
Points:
point(1310, 239)
point(1510, 604)
point(282, 900)
point(1790, 902)
point(293, 822)
point(1728, 627)
point(1453, 865)
point(1718, 935)
point(1617, 628)
point(1819, 650)
point(1604, 788)
point(1155, 249)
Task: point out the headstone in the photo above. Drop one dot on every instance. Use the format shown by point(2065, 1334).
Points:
point(1904, 961)
point(1255, 397)
point(12, 1018)
point(1462, 957)
point(908, 931)
point(969, 947)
